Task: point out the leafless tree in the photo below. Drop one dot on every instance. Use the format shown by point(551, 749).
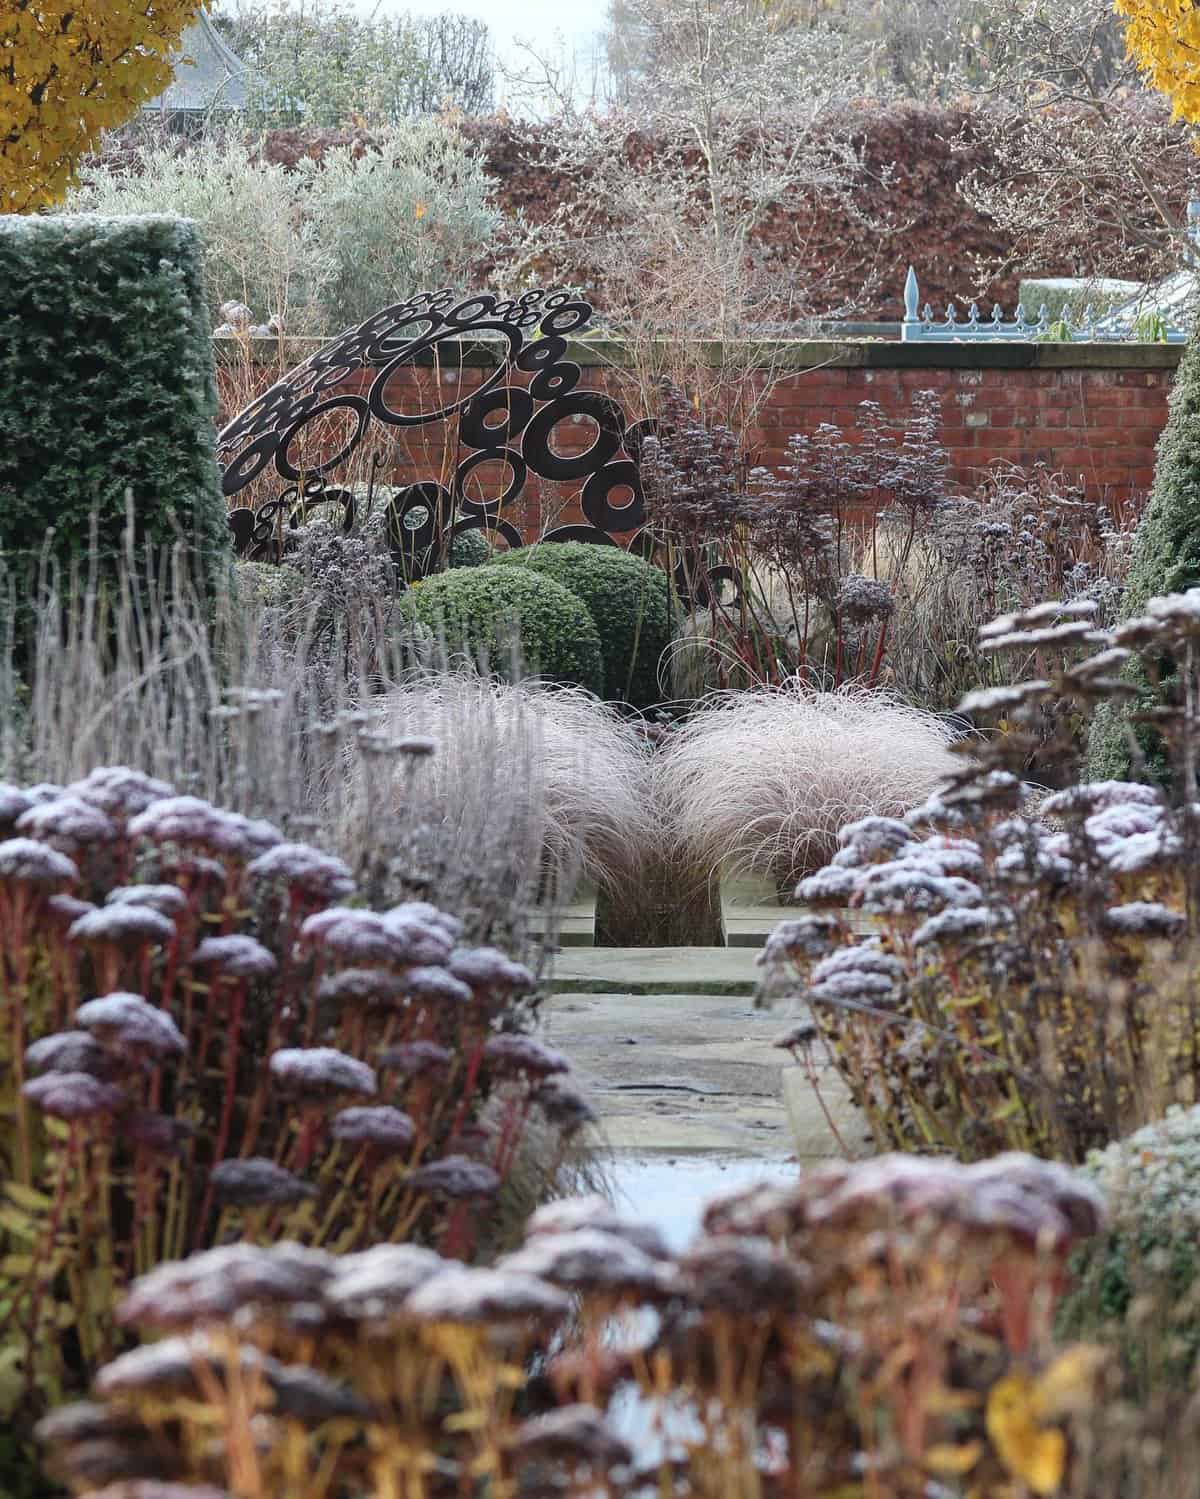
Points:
point(671, 186)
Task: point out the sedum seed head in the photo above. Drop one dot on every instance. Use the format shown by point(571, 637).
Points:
point(487, 1296)
point(235, 957)
point(24, 861)
point(321, 1071)
point(257, 1182)
point(126, 1020)
point(73, 1095)
point(383, 1128)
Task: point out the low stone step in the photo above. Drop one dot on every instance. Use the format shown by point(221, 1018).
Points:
point(655, 970)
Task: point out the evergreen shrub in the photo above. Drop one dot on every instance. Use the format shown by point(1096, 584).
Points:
point(628, 597)
point(106, 386)
point(1166, 559)
point(485, 610)
point(1138, 1284)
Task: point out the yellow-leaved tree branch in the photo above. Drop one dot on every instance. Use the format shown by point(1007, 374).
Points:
point(1163, 37)
point(69, 70)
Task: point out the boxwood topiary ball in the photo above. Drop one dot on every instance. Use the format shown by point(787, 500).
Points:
point(470, 549)
point(477, 607)
point(628, 597)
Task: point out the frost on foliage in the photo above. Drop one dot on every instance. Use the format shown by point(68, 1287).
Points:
point(27, 861)
point(68, 823)
point(435, 986)
point(572, 1213)
point(800, 937)
point(487, 968)
point(73, 1095)
point(255, 1181)
point(357, 986)
point(70, 1051)
point(127, 1020)
point(1095, 796)
point(216, 1284)
point(168, 899)
point(382, 1127)
point(827, 887)
point(235, 956)
point(417, 1059)
point(587, 1260)
point(376, 1282)
point(1142, 918)
point(316, 875)
point(959, 924)
point(524, 1056)
point(487, 1296)
point(318, 1070)
point(119, 792)
point(123, 925)
point(455, 1176)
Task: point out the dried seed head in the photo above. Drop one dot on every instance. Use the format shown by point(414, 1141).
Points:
point(383, 1128)
point(489, 971)
point(522, 1056)
point(64, 910)
point(235, 957)
point(320, 1071)
point(741, 1276)
point(801, 937)
point(126, 1021)
point(215, 1285)
point(959, 924)
point(362, 986)
point(417, 1059)
point(306, 870)
point(257, 1182)
point(588, 1260)
point(73, 1095)
point(119, 792)
point(860, 599)
point(488, 1296)
point(875, 837)
point(863, 957)
point(67, 824)
point(1143, 918)
point(576, 1435)
point(1072, 1205)
point(572, 1213)
point(310, 1397)
point(125, 926)
point(436, 986)
point(13, 802)
point(564, 1107)
point(375, 1284)
point(161, 1134)
point(429, 915)
point(455, 1176)
point(189, 822)
point(71, 1051)
point(24, 861)
point(801, 1035)
point(1095, 796)
point(828, 887)
point(421, 943)
point(168, 899)
point(354, 936)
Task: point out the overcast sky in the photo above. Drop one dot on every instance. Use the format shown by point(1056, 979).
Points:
point(540, 22)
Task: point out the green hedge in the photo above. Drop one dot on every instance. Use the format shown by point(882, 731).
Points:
point(1166, 559)
point(477, 608)
point(628, 597)
point(106, 385)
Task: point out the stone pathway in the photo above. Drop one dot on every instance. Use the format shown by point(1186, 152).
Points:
point(676, 1059)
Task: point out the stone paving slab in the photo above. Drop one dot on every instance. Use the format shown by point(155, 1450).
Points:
point(655, 970)
point(689, 1073)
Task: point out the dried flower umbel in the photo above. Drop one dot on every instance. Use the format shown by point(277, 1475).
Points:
point(890, 1318)
point(201, 1043)
point(1030, 978)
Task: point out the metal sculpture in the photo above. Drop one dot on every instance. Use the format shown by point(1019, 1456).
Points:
point(498, 421)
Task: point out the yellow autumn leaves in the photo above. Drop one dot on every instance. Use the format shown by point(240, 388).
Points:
point(1163, 37)
point(70, 69)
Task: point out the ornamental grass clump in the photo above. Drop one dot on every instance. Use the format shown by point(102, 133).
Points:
point(760, 782)
point(1030, 978)
point(203, 1043)
point(888, 1320)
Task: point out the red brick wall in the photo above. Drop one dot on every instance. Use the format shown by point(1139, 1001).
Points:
point(1095, 413)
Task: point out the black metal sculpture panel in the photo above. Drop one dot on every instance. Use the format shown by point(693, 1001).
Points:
point(498, 423)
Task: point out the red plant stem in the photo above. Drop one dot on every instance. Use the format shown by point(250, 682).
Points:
point(877, 664)
point(237, 1002)
point(473, 1066)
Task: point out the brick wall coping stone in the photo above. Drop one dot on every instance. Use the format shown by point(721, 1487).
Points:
point(799, 354)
